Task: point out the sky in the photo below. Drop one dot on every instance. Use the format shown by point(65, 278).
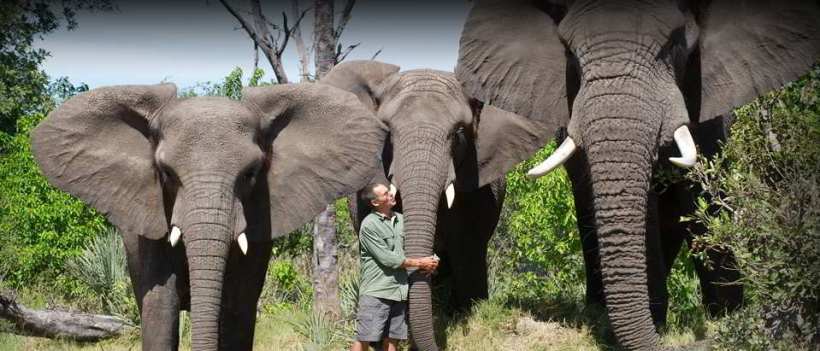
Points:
point(191, 41)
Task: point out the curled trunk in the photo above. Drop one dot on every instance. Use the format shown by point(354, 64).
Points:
point(421, 170)
point(208, 231)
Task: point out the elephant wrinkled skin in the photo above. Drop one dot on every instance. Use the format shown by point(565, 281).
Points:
point(629, 79)
point(199, 186)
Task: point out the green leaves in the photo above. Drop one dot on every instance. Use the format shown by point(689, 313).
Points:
point(40, 226)
point(766, 184)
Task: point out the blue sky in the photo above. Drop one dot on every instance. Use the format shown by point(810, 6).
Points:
point(198, 40)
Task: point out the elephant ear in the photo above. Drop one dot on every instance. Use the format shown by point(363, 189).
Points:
point(96, 147)
point(325, 144)
point(362, 78)
point(511, 57)
point(753, 46)
point(505, 139)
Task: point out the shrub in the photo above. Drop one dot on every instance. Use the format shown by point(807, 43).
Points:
point(766, 184)
point(40, 226)
point(102, 268)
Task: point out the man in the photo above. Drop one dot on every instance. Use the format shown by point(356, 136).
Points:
point(383, 286)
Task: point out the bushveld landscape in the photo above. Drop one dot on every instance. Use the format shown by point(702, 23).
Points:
point(57, 253)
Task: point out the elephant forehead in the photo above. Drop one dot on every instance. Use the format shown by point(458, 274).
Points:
point(590, 21)
point(428, 81)
point(209, 116)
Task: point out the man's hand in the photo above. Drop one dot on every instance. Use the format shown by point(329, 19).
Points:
point(426, 264)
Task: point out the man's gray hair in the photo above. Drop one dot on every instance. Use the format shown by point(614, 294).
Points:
point(368, 192)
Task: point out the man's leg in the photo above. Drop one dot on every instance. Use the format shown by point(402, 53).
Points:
point(397, 329)
point(390, 344)
point(371, 319)
point(360, 346)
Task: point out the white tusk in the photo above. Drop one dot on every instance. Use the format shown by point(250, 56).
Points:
point(561, 155)
point(450, 193)
point(242, 240)
point(393, 190)
point(686, 145)
point(173, 238)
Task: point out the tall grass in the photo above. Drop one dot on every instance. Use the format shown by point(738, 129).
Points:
point(101, 267)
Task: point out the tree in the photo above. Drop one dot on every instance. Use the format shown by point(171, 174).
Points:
point(23, 87)
point(40, 226)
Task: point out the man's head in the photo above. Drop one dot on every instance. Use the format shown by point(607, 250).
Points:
point(379, 197)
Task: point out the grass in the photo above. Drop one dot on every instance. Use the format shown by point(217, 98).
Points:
point(491, 325)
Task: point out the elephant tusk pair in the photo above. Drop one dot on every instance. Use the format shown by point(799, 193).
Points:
point(686, 145)
point(175, 234)
point(683, 139)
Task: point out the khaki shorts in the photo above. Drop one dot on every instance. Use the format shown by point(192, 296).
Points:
point(378, 318)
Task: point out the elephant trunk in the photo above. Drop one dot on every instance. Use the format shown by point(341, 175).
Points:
point(621, 153)
point(207, 233)
point(421, 171)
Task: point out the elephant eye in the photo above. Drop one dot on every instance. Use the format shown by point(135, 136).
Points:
point(252, 170)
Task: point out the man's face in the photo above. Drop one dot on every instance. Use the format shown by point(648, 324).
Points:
point(384, 199)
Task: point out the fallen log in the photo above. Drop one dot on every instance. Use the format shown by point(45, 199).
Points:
point(52, 324)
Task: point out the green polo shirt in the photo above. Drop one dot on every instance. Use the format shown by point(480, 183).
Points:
point(381, 248)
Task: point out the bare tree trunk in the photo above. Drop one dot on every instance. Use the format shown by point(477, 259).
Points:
point(325, 263)
point(62, 325)
point(324, 37)
point(325, 269)
point(301, 50)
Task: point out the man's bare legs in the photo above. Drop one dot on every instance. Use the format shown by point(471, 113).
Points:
point(390, 344)
point(360, 346)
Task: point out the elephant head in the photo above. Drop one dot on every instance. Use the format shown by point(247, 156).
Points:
point(627, 78)
point(436, 136)
point(209, 172)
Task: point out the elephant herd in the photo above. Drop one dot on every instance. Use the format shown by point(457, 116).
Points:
point(199, 186)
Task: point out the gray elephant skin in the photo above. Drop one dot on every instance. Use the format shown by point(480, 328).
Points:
point(217, 177)
point(436, 135)
point(629, 79)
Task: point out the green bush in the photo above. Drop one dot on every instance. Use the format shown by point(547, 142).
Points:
point(536, 252)
point(766, 183)
point(40, 226)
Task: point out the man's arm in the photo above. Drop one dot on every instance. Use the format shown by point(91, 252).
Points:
point(373, 244)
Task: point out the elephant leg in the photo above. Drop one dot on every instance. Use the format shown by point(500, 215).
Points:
point(244, 278)
point(471, 223)
point(578, 171)
point(719, 280)
point(721, 292)
point(154, 266)
point(467, 261)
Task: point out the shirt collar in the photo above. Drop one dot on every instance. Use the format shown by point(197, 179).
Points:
point(382, 217)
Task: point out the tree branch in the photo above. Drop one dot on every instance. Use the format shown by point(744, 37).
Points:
point(376, 54)
point(341, 55)
point(62, 325)
point(301, 50)
point(345, 17)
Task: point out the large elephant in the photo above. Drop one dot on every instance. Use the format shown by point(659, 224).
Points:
point(199, 186)
point(627, 78)
point(436, 132)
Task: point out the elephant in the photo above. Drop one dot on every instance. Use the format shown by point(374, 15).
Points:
point(628, 79)
point(199, 186)
point(435, 134)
